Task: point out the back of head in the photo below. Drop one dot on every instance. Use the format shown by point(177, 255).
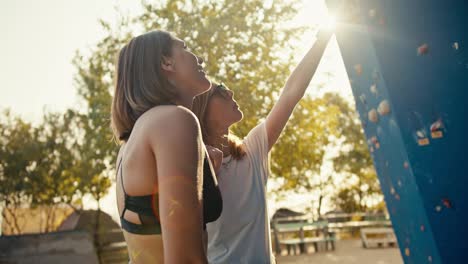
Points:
point(140, 82)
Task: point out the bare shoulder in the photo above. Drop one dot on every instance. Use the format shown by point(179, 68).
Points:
point(169, 119)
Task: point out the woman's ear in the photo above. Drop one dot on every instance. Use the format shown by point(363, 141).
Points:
point(168, 64)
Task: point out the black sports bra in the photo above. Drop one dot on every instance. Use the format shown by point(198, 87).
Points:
point(147, 206)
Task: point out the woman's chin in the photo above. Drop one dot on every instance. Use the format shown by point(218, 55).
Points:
point(241, 115)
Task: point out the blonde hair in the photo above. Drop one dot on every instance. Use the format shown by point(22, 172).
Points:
point(200, 103)
point(140, 83)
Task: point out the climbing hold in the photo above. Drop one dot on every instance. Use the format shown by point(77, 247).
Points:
point(363, 99)
point(447, 203)
point(358, 69)
point(407, 252)
point(423, 49)
point(455, 45)
point(423, 228)
point(405, 165)
point(436, 129)
point(384, 108)
point(420, 134)
point(422, 138)
point(392, 190)
point(373, 116)
point(429, 258)
point(374, 90)
point(375, 141)
point(438, 208)
point(399, 183)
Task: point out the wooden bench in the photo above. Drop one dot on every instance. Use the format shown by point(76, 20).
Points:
point(294, 243)
point(378, 237)
point(320, 229)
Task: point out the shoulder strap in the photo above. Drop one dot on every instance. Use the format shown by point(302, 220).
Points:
point(119, 168)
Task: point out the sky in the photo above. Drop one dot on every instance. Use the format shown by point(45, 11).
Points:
point(40, 38)
point(38, 42)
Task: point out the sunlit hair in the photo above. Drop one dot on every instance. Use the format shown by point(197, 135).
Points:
point(140, 83)
point(200, 103)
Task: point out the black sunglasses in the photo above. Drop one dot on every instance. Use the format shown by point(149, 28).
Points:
point(220, 89)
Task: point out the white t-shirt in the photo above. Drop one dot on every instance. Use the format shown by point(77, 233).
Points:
point(242, 232)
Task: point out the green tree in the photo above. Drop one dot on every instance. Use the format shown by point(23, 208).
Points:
point(38, 167)
point(18, 157)
point(354, 161)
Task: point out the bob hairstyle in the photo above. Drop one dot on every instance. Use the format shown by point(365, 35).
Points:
point(140, 83)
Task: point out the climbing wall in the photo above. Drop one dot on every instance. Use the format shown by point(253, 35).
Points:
point(407, 63)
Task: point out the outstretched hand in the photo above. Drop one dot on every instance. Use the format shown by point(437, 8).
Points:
point(324, 34)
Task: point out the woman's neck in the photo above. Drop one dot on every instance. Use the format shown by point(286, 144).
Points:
point(185, 102)
point(220, 141)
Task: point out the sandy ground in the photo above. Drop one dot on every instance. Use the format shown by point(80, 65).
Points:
point(347, 251)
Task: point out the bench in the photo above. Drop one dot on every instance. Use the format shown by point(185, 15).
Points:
point(294, 243)
point(319, 229)
point(378, 237)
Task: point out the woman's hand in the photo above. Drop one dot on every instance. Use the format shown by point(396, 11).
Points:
point(216, 157)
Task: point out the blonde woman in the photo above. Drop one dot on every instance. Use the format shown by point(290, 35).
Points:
point(160, 162)
point(242, 233)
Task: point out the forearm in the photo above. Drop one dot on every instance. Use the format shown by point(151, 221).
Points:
point(294, 89)
point(301, 76)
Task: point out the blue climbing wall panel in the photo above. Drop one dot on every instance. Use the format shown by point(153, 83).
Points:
point(407, 62)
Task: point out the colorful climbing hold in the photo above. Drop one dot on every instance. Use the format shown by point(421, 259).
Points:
point(358, 69)
point(446, 202)
point(363, 99)
point(423, 49)
point(384, 108)
point(436, 129)
point(373, 89)
point(373, 116)
point(422, 138)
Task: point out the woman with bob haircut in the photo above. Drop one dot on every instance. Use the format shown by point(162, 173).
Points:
point(160, 161)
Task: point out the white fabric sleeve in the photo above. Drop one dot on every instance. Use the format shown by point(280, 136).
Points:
point(256, 144)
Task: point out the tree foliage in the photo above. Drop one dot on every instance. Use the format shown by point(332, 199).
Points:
point(38, 166)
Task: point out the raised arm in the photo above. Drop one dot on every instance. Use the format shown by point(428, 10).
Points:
point(295, 88)
point(178, 150)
